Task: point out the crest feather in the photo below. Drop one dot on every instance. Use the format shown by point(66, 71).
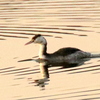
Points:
point(36, 36)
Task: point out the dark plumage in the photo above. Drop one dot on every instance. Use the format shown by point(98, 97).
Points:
point(36, 36)
point(66, 51)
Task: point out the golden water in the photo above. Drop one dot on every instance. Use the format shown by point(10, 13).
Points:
point(64, 23)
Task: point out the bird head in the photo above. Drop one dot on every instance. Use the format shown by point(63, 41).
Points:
point(37, 39)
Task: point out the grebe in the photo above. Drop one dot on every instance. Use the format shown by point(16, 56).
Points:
point(66, 57)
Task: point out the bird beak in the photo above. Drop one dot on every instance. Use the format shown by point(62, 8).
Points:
point(29, 42)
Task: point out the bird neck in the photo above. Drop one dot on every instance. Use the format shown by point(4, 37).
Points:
point(42, 51)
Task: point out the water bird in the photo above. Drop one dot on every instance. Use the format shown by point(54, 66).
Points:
point(65, 57)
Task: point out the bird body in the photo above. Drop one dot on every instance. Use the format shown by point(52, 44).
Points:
point(66, 57)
